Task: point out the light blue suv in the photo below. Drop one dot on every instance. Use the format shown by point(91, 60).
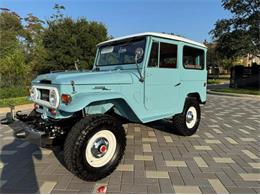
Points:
point(142, 78)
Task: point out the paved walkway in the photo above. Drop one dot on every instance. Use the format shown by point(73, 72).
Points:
point(222, 157)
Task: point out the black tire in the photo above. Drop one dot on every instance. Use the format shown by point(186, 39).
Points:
point(179, 120)
point(77, 140)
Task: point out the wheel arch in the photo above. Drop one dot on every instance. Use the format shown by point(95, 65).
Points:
point(100, 103)
point(195, 95)
point(118, 105)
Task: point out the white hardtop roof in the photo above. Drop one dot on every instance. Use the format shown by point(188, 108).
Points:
point(162, 35)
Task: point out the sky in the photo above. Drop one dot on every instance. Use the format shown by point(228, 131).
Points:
point(189, 18)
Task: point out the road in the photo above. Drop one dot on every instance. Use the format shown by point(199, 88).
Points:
point(222, 157)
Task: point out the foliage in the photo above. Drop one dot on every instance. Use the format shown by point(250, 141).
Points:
point(217, 81)
point(34, 49)
point(14, 96)
point(14, 101)
point(250, 91)
point(10, 31)
point(67, 41)
point(214, 58)
point(14, 71)
point(238, 35)
point(30, 46)
point(7, 92)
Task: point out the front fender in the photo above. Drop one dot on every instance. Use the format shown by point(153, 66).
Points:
point(81, 100)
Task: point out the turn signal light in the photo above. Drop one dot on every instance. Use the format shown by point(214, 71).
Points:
point(66, 99)
point(53, 111)
point(36, 106)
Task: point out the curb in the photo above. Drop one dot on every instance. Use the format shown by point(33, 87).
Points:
point(4, 110)
point(232, 94)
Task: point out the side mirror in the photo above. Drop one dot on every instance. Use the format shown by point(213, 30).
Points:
point(139, 52)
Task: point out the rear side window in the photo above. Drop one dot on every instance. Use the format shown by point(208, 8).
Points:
point(193, 58)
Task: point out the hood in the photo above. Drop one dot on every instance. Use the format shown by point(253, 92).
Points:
point(88, 78)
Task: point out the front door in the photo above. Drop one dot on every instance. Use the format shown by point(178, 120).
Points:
point(162, 78)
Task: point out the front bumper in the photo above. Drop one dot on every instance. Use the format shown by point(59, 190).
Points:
point(43, 132)
point(34, 130)
point(34, 136)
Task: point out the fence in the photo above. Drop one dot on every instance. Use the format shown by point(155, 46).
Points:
point(241, 77)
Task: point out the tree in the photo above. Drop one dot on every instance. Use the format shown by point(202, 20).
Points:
point(240, 34)
point(58, 15)
point(10, 32)
point(13, 69)
point(67, 40)
point(34, 29)
point(34, 50)
point(29, 47)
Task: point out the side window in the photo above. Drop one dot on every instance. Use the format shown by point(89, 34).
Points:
point(168, 55)
point(153, 61)
point(193, 58)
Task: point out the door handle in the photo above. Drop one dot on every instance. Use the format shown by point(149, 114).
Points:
point(177, 85)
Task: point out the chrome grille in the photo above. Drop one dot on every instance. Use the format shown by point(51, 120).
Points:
point(44, 94)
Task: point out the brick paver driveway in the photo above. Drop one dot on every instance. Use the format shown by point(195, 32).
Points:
point(223, 157)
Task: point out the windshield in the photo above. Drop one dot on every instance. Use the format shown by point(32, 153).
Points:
point(120, 53)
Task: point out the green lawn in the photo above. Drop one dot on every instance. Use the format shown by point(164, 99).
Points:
point(217, 81)
point(14, 96)
point(249, 91)
point(5, 102)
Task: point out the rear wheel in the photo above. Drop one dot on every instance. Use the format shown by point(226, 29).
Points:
point(94, 147)
point(188, 121)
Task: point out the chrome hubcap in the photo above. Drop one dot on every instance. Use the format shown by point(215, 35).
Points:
point(189, 116)
point(100, 147)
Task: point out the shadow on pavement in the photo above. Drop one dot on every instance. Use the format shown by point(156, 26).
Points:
point(18, 173)
point(164, 125)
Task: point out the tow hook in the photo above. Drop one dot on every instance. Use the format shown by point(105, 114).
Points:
point(9, 118)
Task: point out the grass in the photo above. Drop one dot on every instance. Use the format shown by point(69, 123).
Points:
point(249, 91)
point(217, 81)
point(5, 102)
point(14, 96)
point(11, 92)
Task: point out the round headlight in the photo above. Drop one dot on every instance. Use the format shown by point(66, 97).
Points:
point(33, 93)
point(53, 98)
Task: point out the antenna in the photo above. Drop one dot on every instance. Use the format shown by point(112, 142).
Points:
point(76, 63)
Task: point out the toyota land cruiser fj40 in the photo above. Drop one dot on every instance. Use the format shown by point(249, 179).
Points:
point(142, 77)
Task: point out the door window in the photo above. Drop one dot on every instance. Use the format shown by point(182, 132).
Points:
point(163, 55)
point(153, 61)
point(168, 55)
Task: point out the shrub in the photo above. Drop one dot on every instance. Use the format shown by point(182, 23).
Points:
point(11, 92)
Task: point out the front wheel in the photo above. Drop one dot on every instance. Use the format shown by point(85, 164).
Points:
point(94, 147)
point(188, 121)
